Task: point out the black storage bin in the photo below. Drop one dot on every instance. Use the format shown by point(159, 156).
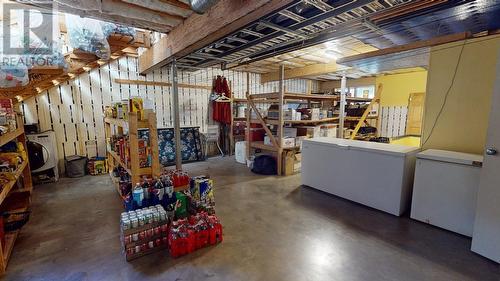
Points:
point(75, 166)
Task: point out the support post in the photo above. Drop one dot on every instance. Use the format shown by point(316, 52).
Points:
point(280, 123)
point(177, 121)
point(249, 116)
point(343, 87)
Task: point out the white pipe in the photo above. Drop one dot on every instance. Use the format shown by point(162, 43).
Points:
point(343, 87)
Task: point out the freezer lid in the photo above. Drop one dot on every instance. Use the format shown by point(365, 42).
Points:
point(375, 147)
point(451, 157)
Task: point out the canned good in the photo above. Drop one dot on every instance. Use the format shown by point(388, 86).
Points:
point(142, 235)
point(130, 251)
point(126, 224)
point(158, 242)
point(137, 249)
point(144, 247)
point(150, 218)
point(156, 230)
point(164, 228)
point(127, 239)
point(135, 237)
point(141, 220)
point(149, 232)
point(163, 216)
point(134, 223)
point(151, 244)
point(156, 217)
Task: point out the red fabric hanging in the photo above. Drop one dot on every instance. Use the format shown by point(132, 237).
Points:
point(222, 110)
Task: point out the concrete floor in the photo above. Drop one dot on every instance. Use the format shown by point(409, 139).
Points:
point(274, 230)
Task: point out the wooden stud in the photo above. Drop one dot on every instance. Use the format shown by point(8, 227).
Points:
point(153, 143)
point(166, 84)
point(177, 121)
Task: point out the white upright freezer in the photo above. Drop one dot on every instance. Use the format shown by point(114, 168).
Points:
point(445, 189)
point(374, 174)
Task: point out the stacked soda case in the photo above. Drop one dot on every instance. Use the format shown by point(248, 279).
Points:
point(202, 194)
point(188, 235)
point(144, 231)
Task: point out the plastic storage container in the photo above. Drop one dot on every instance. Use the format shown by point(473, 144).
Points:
point(75, 166)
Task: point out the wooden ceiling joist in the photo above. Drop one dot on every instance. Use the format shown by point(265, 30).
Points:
point(198, 31)
point(158, 15)
point(300, 72)
point(408, 47)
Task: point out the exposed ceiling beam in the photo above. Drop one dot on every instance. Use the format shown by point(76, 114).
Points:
point(412, 46)
point(151, 15)
point(133, 11)
point(198, 31)
point(163, 7)
point(300, 72)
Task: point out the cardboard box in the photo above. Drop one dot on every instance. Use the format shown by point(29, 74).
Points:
point(328, 130)
point(288, 163)
point(314, 113)
point(285, 142)
point(136, 105)
point(290, 132)
point(298, 141)
point(297, 165)
point(309, 131)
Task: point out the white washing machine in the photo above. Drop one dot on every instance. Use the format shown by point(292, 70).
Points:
point(42, 153)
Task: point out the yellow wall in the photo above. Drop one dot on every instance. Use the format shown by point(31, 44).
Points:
point(463, 123)
point(398, 87)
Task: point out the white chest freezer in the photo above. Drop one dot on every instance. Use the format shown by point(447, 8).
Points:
point(378, 175)
point(445, 189)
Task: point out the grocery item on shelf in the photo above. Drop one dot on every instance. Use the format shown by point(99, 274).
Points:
point(97, 166)
point(121, 146)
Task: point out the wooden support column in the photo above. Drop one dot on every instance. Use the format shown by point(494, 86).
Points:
point(249, 117)
point(153, 142)
point(343, 87)
point(177, 119)
point(134, 147)
point(280, 120)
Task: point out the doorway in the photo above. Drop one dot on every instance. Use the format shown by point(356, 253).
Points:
point(415, 113)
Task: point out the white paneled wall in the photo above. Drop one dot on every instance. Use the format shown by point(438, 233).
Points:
point(74, 109)
point(393, 121)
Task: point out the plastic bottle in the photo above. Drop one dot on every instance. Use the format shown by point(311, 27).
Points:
point(138, 195)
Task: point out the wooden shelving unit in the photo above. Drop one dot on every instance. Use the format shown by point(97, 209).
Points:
point(233, 138)
point(12, 198)
point(132, 125)
point(280, 98)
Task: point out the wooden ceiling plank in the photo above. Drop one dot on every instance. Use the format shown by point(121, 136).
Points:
point(163, 7)
point(115, 7)
point(310, 70)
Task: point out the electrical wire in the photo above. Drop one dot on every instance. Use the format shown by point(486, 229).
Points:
point(441, 110)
